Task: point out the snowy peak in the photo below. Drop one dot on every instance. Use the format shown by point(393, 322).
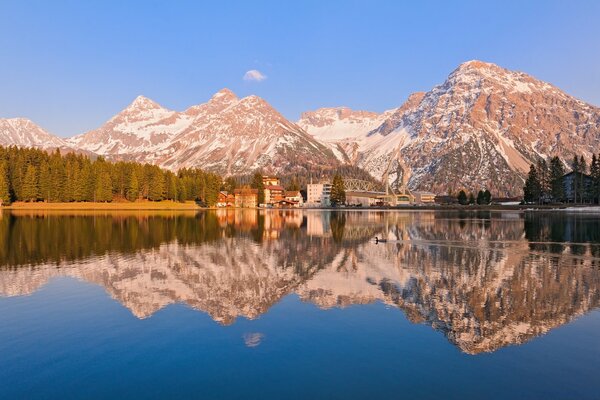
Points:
point(143, 103)
point(339, 123)
point(24, 132)
point(225, 96)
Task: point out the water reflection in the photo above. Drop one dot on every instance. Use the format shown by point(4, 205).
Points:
point(483, 279)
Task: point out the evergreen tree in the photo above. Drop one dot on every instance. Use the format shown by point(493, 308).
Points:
point(544, 178)
point(230, 184)
point(257, 183)
point(4, 186)
point(487, 197)
point(45, 181)
point(103, 191)
point(30, 189)
point(557, 173)
point(462, 198)
point(133, 187)
point(583, 190)
point(338, 193)
point(595, 174)
point(479, 199)
point(533, 189)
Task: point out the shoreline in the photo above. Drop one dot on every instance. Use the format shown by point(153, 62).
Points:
point(168, 205)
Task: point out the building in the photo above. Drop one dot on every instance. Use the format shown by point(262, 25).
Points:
point(246, 197)
point(318, 194)
point(577, 187)
point(424, 197)
point(226, 199)
point(294, 196)
point(363, 199)
point(274, 194)
point(270, 180)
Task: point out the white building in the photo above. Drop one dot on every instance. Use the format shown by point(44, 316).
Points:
point(318, 194)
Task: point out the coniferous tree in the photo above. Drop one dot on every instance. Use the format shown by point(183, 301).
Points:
point(557, 173)
point(462, 198)
point(30, 189)
point(543, 173)
point(480, 197)
point(487, 196)
point(533, 189)
point(338, 192)
point(595, 175)
point(4, 187)
point(45, 182)
point(230, 184)
point(133, 188)
point(103, 189)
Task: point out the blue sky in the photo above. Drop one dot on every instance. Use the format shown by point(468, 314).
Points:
point(71, 65)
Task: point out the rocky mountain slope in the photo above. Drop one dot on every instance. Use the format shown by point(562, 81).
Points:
point(482, 127)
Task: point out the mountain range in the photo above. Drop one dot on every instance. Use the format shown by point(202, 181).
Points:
point(481, 128)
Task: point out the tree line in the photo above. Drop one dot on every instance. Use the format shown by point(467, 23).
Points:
point(546, 181)
point(32, 175)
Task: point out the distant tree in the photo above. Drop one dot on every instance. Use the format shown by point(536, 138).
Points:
point(543, 173)
point(4, 187)
point(338, 193)
point(103, 189)
point(231, 184)
point(133, 187)
point(532, 190)
point(257, 183)
point(30, 184)
point(557, 173)
point(462, 198)
point(480, 197)
point(487, 196)
point(595, 174)
point(294, 185)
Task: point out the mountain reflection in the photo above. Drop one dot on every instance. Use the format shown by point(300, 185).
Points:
point(483, 279)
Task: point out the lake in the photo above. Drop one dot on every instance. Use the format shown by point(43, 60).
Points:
point(297, 304)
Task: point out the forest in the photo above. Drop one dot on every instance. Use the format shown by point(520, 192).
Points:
point(32, 175)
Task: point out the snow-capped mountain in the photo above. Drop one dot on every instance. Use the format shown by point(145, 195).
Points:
point(25, 133)
point(139, 129)
point(226, 135)
point(481, 128)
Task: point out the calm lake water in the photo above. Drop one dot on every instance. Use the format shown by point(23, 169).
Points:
point(300, 304)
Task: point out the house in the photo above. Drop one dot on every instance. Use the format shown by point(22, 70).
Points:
point(246, 197)
point(424, 197)
point(577, 187)
point(318, 194)
point(294, 196)
point(226, 199)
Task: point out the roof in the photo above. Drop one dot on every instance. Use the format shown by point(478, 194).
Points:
point(292, 193)
point(245, 191)
point(274, 187)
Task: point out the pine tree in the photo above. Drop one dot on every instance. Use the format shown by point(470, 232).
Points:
point(338, 193)
point(557, 173)
point(544, 178)
point(30, 184)
point(533, 189)
point(462, 198)
point(230, 184)
point(595, 174)
point(4, 186)
point(45, 181)
point(487, 196)
point(133, 187)
point(480, 197)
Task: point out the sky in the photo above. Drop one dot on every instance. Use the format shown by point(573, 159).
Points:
point(71, 65)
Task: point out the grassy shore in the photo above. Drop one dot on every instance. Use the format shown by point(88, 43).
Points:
point(90, 206)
